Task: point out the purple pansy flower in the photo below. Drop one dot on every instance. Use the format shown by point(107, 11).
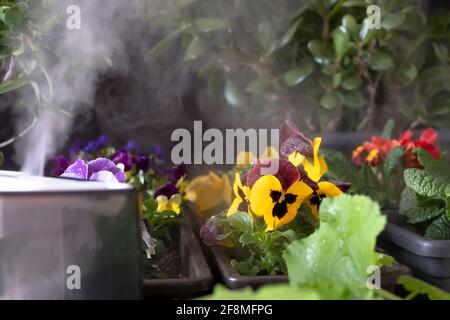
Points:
point(100, 169)
point(168, 190)
point(75, 149)
point(124, 158)
point(60, 164)
point(130, 146)
point(142, 162)
point(176, 173)
point(95, 145)
point(158, 152)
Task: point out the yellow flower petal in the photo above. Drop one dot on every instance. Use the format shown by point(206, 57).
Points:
point(261, 203)
point(318, 167)
point(226, 189)
point(296, 158)
point(234, 206)
point(329, 189)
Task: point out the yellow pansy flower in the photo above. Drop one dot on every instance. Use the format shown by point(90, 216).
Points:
point(172, 204)
point(318, 167)
point(326, 189)
point(242, 193)
point(208, 192)
point(296, 158)
point(277, 206)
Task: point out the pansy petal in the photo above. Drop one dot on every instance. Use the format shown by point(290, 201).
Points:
point(175, 199)
point(292, 140)
point(103, 176)
point(296, 158)
point(329, 189)
point(318, 165)
point(287, 173)
point(234, 206)
point(261, 202)
point(300, 191)
point(78, 170)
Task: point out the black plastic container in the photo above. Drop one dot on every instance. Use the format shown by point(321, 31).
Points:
point(196, 280)
point(234, 280)
point(428, 259)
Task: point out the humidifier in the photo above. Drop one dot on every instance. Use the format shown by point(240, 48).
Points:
point(67, 239)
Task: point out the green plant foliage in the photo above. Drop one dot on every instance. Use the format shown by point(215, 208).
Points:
point(316, 55)
point(416, 286)
point(427, 196)
point(268, 292)
point(341, 250)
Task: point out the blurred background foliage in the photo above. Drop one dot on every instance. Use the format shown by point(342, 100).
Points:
point(315, 62)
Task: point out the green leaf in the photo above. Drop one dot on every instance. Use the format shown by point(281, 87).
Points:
point(385, 260)
point(340, 168)
point(409, 73)
point(321, 53)
point(420, 287)
point(436, 74)
point(352, 99)
point(149, 206)
point(259, 85)
point(381, 61)
point(209, 24)
point(340, 252)
point(439, 229)
point(354, 3)
point(349, 22)
point(195, 49)
point(341, 39)
point(267, 292)
point(351, 83)
point(441, 52)
point(388, 130)
point(15, 15)
point(12, 85)
point(241, 221)
point(391, 21)
point(161, 47)
point(289, 35)
point(410, 207)
point(425, 183)
point(298, 75)
point(2, 158)
point(393, 160)
point(329, 101)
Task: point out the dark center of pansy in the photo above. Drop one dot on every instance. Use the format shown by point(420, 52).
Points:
point(280, 209)
point(316, 199)
point(275, 195)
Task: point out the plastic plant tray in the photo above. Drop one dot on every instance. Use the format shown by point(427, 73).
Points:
point(196, 277)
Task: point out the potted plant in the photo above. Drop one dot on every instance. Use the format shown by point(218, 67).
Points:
point(270, 211)
point(333, 262)
point(173, 263)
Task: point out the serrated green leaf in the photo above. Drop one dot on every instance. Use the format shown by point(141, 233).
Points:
point(341, 250)
point(241, 221)
point(410, 207)
point(388, 130)
point(149, 206)
point(267, 292)
point(420, 287)
point(425, 183)
point(393, 160)
point(439, 229)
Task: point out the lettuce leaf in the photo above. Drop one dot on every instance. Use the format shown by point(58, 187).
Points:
point(336, 257)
